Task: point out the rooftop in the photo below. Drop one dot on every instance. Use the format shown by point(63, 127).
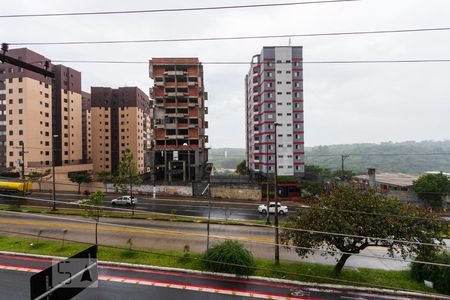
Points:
point(397, 179)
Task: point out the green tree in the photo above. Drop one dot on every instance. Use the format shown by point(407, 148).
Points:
point(432, 188)
point(93, 207)
point(36, 176)
point(127, 173)
point(317, 170)
point(79, 178)
point(105, 177)
point(241, 168)
point(386, 219)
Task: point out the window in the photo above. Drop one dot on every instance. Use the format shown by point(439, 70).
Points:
point(20, 90)
point(20, 111)
point(288, 72)
point(20, 100)
point(20, 122)
point(278, 72)
point(279, 93)
point(279, 82)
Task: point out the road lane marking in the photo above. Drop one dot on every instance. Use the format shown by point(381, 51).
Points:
point(161, 272)
point(171, 285)
point(128, 230)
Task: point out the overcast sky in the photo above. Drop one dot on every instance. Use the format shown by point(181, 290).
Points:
point(343, 103)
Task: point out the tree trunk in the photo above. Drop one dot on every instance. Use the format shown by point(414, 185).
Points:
point(341, 263)
point(79, 188)
point(40, 186)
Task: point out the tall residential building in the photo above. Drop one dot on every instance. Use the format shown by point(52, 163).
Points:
point(86, 126)
point(67, 116)
point(179, 151)
point(34, 109)
point(25, 112)
point(120, 120)
point(274, 95)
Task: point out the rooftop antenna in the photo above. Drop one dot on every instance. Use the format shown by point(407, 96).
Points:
point(289, 41)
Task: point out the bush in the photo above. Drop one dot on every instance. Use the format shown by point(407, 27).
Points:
point(439, 275)
point(229, 257)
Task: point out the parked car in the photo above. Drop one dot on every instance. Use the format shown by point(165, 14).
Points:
point(282, 209)
point(124, 200)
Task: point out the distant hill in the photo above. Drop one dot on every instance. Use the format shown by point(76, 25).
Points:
point(385, 157)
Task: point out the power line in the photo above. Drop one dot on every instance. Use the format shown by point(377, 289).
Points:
point(266, 226)
point(237, 238)
point(378, 154)
point(165, 10)
point(250, 63)
point(233, 38)
point(225, 263)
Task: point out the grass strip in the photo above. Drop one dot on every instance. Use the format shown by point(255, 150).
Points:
point(393, 279)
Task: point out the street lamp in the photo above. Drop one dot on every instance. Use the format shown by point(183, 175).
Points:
point(277, 238)
point(188, 162)
point(53, 172)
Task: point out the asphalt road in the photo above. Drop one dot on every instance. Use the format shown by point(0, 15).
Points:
point(183, 206)
point(123, 282)
point(164, 235)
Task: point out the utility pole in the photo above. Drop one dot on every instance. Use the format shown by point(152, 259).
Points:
point(18, 63)
point(209, 208)
point(53, 173)
point(277, 238)
point(343, 157)
point(22, 163)
point(268, 203)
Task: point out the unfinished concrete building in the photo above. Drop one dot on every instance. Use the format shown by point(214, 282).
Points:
point(178, 152)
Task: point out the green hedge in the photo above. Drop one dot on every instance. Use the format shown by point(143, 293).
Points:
point(229, 257)
point(439, 275)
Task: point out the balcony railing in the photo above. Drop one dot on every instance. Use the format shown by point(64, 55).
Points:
point(174, 73)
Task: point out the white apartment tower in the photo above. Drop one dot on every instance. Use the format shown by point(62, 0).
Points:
point(274, 106)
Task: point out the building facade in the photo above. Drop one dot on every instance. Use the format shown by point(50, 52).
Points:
point(42, 113)
point(179, 150)
point(67, 117)
point(86, 126)
point(120, 120)
point(274, 112)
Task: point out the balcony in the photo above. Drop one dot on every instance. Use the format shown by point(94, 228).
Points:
point(176, 94)
point(175, 73)
point(192, 83)
point(176, 115)
point(159, 83)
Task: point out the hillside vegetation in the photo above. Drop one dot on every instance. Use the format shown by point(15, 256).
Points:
point(405, 157)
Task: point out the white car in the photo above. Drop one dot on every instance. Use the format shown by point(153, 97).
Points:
point(282, 209)
point(124, 200)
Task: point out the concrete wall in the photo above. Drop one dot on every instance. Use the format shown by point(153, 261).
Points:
point(161, 189)
point(236, 192)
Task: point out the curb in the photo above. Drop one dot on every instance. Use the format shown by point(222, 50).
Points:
point(259, 278)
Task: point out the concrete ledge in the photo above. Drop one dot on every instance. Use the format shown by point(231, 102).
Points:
point(265, 279)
